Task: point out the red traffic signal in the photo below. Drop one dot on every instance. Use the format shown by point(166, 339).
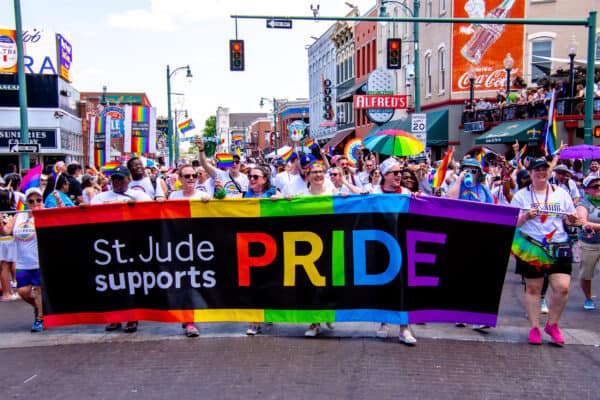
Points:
point(236, 55)
point(393, 53)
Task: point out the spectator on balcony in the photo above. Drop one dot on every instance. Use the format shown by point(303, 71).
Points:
point(579, 98)
point(483, 104)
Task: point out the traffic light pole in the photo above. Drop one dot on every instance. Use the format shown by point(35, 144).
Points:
point(24, 138)
point(590, 23)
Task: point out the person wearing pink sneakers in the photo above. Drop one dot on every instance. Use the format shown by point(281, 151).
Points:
point(541, 246)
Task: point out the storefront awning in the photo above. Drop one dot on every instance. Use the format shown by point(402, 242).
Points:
point(350, 92)
point(339, 137)
point(437, 127)
point(525, 131)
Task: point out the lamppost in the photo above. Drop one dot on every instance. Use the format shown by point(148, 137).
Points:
point(413, 13)
point(572, 52)
point(508, 64)
point(471, 75)
point(24, 137)
point(274, 103)
point(169, 117)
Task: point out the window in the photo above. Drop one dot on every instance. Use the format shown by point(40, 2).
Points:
point(429, 9)
point(428, 75)
point(598, 47)
point(540, 67)
point(442, 70)
point(443, 7)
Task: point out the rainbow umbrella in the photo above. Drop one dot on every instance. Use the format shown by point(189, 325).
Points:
point(394, 142)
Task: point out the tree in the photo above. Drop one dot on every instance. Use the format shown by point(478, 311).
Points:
point(209, 131)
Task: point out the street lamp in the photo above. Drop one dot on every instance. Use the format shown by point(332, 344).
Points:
point(508, 64)
point(188, 75)
point(572, 52)
point(274, 103)
point(413, 13)
point(471, 75)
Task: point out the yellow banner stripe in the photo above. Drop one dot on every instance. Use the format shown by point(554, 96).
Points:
point(230, 208)
point(218, 315)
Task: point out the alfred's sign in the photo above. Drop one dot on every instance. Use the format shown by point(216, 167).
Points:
point(379, 101)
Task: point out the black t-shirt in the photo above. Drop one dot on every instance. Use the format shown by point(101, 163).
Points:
point(74, 188)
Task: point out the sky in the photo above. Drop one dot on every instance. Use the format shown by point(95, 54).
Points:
point(126, 45)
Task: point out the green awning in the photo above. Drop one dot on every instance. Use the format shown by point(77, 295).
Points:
point(437, 127)
point(525, 131)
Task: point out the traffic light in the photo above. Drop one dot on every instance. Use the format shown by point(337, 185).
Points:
point(236, 55)
point(393, 53)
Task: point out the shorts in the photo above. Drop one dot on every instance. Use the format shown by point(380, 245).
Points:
point(8, 249)
point(590, 255)
point(26, 277)
point(531, 272)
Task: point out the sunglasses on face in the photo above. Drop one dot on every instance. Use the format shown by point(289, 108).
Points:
point(189, 176)
point(255, 177)
point(407, 177)
point(396, 173)
point(333, 174)
point(472, 170)
point(33, 201)
point(236, 161)
point(596, 187)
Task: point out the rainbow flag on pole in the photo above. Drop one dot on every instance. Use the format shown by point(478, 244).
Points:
point(224, 160)
point(109, 167)
point(550, 132)
point(310, 143)
point(440, 174)
point(186, 125)
point(289, 155)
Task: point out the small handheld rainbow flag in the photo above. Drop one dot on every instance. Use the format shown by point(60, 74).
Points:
point(186, 126)
point(224, 160)
point(310, 143)
point(109, 167)
point(289, 156)
point(521, 153)
point(32, 178)
point(440, 174)
point(20, 205)
point(56, 169)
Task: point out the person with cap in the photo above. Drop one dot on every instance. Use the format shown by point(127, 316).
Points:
point(120, 193)
point(153, 187)
point(469, 185)
point(541, 246)
point(562, 178)
point(588, 211)
point(22, 228)
point(234, 183)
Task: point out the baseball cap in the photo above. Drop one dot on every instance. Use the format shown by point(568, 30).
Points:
point(121, 172)
point(522, 174)
point(306, 159)
point(562, 168)
point(538, 162)
point(385, 166)
point(589, 180)
point(33, 190)
point(471, 162)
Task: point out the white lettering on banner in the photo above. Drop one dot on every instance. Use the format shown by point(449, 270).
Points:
point(493, 80)
point(379, 101)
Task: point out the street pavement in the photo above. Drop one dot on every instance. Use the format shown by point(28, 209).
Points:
point(349, 362)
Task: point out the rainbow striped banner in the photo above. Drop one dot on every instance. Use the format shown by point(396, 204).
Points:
point(309, 259)
point(99, 126)
point(140, 130)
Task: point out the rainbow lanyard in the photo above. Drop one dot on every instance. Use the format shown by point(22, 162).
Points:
point(534, 199)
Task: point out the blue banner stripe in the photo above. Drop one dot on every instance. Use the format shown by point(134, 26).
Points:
point(359, 315)
point(377, 203)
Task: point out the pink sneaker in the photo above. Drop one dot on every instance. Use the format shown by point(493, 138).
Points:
point(555, 335)
point(535, 337)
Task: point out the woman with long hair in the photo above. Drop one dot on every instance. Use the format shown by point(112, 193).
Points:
point(59, 197)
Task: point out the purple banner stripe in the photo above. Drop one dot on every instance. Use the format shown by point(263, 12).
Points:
point(452, 316)
point(464, 210)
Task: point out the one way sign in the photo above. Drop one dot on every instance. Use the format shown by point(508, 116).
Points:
point(279, 23)
point(24, 148)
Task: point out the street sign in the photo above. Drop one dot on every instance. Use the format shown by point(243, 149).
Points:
point(279, 23)
point(418, 123)
point(476, 126)
point(24, 148)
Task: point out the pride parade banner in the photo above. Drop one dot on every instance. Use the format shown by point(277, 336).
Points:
point(379, 258)
point(140, 130)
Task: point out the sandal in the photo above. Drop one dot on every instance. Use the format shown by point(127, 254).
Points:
point(131, 327)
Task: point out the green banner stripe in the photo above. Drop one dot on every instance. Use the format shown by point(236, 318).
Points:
point(300, 316)
point(310, 205)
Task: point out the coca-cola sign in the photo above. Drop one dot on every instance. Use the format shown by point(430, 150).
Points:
point(483, 47)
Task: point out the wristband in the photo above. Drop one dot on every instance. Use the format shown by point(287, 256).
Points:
point(506, 179)
point(201, 151)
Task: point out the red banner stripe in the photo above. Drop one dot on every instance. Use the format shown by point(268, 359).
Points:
point(119, 316)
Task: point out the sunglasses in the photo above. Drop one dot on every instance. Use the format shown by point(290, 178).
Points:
point(332, 173)
point(407, 177)
point(236, 161)
point(189, 176)
point(472, 170)
point(396, 173)
point(594, 187)
point(255, 177)
point(33, 201)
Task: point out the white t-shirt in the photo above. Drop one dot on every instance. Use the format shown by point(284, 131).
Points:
point(229, 186)
point(294, 186)
point(198, 194)
point(145, 185)
point(285, 178)
point(112, 197)
point(570, 187)
point(377, 189)
point(208, 186)
point(498, 193)
point(26, 241)
point(558, 200)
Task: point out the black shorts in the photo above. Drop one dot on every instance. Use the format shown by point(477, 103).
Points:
point(531, 272)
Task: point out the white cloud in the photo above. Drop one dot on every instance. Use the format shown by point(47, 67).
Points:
point(142, 20)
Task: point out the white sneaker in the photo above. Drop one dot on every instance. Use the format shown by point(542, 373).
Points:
point(253, 330)
point(407, 338)
point(313, 330)
point(383, 330)
point(544, 307)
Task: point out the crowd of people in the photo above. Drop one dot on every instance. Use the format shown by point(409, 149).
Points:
point(559, 219)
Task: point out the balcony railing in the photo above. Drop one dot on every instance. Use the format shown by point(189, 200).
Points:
point(537, 109)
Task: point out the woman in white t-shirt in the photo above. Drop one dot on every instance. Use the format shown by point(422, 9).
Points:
point(22, 228)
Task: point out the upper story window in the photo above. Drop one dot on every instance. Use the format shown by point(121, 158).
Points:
point(443, 7)
point(541, 51)
point(428, 75)
point(442, 70)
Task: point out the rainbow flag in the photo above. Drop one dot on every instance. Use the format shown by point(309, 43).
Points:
point(55, 171)
point(224, 160)
point(521, 152)
point(550, 139)
point(289, 156)
point(109, 167)
point(20, 205)
point(100, 139)
point(32, 178)
point(310, 143)
point(237, 138)
point(140, 138)
point(440, 174)
point(328, 150)
point(186, 126)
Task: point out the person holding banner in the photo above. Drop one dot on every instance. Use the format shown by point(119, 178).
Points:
point(541, 246)
point(22, 228)
point(234, 183)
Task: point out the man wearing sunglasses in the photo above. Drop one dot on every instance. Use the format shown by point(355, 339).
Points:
point(469, 185)
point(234, 183)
